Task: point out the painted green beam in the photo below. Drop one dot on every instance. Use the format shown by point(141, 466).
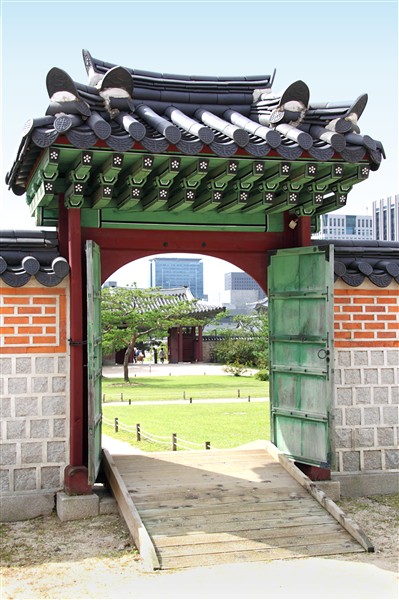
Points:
point(258, 201)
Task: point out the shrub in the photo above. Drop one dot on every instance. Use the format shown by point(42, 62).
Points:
point(237, 351)
point(235, 369)
point(262, 375)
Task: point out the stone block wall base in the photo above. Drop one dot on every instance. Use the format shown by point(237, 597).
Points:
point(72, 508)
point(27, 506)
point(108, 504)
point(367, 484)
point(331, 488)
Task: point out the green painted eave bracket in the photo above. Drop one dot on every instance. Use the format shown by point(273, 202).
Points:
point(137, 189)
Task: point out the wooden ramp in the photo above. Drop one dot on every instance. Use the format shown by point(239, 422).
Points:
point(188, 509)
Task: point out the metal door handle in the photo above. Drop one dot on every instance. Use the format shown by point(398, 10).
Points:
point(323, 353)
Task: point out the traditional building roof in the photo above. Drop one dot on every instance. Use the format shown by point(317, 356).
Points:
point(27, 254)
point(168, 296)
point(356, 261)
point(305, 155)
point(200, 307)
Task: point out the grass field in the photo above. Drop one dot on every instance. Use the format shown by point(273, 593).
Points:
point(224, 425)
point(183, 387)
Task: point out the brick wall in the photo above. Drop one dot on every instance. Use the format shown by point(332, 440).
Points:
point(32, 320)
point(366, 378)
point(366, 317)
point(34, 394)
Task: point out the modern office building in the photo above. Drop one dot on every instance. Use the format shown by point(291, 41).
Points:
point(178, 272)
point(242, 291)
point(335, 226)
point(386, 219)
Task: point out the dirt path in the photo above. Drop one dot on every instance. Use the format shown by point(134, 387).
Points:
point(93, 558)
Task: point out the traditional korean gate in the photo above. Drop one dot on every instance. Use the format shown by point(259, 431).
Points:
point(94, 358)
point(300, 283)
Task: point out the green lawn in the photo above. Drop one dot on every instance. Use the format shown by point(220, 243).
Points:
point(224, 425)
point(183, 387)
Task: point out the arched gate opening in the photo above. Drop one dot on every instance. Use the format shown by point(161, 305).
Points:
point(137, 163)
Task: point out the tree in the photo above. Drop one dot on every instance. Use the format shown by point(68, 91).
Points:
point(245, 346)
point(132, 314)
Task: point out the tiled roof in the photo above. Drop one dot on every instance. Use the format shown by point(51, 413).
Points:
point(357, 261)
point(168, 296)
point(125, 108)
point(27, 254)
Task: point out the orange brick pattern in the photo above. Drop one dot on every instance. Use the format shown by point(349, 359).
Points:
point(32, 320)
point(366, 318)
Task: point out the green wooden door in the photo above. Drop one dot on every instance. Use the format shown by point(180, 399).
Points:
point(300, 288)
point(94, 357)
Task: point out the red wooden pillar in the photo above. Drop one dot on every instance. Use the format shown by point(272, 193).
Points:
point(76, 474)
point(180, 344)
point(199, 346)
point(304, 232)
point(297, 231)
point(62, 226)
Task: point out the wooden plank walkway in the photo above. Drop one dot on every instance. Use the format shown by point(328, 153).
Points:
point(213, 507)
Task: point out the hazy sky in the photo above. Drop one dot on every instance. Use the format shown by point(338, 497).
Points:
point(341, 49)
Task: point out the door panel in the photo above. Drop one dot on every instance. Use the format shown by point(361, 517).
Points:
point(94, 358)
point(301, 344)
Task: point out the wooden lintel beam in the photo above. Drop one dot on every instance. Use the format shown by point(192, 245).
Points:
point(208, 201)
point(156, 199)
point(232, 206)
point(252, 173)
point(129, 197)
point(50, 162)
point(141, 169)
point(336, 173)
point(309, 202)
point(74, 195)
point(194, 173)
point(102, 196)
point(182, 200)
point(166, 173)
point(82, 165)
point(43, 196)
point(304, 174)
point(111, 168)
point(234, 201)
point(279, 174)
point(362, 173)
point(258, 202)
point(333, 203)
point(284, 202)
point(223, 174)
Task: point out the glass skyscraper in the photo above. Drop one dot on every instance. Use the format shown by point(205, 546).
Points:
point(178, 272)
